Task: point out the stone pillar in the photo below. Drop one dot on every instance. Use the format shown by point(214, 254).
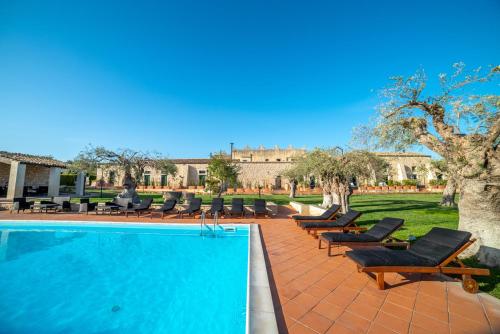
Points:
point(401, 172)
point(16, 180)
point(185, 181)
point(80, 184)
point(54, 181)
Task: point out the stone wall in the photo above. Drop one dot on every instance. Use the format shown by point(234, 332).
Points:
point(254, 174)
point(36, 176)
point(262, 154)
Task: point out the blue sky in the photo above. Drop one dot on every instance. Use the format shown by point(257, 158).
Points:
point(185, 78)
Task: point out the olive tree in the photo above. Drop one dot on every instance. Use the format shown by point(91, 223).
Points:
point(460, 122)
point(221, 172)
point(336, 170)
point(449, 193)
point(132, 163)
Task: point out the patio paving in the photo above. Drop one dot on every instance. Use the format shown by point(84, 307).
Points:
point(314, 293)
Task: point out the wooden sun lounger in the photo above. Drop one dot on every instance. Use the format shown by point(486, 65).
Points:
point(378, 235)
point(346, 223)
point(327, 216)
point(423, 257)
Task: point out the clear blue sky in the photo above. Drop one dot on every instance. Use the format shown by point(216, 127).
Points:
point(185, 78)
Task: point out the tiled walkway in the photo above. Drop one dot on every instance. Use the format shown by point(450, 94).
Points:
point(314, 293)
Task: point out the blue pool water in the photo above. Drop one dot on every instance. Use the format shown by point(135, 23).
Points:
point(109, 278)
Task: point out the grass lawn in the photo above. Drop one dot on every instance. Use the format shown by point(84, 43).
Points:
point(421, 212)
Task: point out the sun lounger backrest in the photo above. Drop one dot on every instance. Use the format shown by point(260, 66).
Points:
point(237, 204)
point(123, 202)
point(260, 205)
point(439, 244)
point(195, 204)
point(217, 204)
point(332, 210)
point(145, 204)
point(348, 218)
point(385, 228)
point(169, 205)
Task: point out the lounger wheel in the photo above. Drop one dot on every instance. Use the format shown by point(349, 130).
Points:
point(469, 284)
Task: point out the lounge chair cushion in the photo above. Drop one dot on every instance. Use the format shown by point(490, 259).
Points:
point(384, 228)
point(439, 244)
point(260, 206)
point(168, 205)
point(336, 237)
point(377, 233)
point(325, 215)
point(380, 257)
point(343, 221)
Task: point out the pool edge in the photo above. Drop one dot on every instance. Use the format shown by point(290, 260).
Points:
point(261, 315)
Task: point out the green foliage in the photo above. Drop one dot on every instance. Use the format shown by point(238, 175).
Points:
point(393, 183)
point(221, 173)
point(408, 182)
point(437, 182)
point(166, 166)
point(68, 179)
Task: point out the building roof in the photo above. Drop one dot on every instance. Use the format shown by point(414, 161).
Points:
point(33, 159)
point(401, 154)
point(190, 161)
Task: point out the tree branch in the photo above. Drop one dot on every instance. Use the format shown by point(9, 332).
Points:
point(419, 128)
point(493, 133)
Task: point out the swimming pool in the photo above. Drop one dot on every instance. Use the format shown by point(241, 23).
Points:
point(122, 278)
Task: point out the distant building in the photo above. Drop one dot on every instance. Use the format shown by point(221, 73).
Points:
point(266, 167)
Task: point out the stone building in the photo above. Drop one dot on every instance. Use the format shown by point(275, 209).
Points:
point(265, 168)
point(29, 175)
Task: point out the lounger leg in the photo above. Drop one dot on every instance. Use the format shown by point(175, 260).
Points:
point(329, 249)
point(319, 243)
point(380, 280)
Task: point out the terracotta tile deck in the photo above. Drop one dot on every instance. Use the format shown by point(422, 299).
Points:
point(314, 293)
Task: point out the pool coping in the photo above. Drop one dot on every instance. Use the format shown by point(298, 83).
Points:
point(261, 316)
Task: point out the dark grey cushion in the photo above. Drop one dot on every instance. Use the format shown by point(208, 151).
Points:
point(337, 237)
point(386, 257)
point(217, 205)
point(439, 244)
point(377, 233)
point(343, 221)
point(260, 206)
point(328, 214)
point(384, 228)
point(168, 205)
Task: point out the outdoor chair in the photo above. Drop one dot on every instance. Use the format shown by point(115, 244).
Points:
point(260, 208)
point(86, 206)
point(217, 207)
point(237, 209)
point(432, 253)
point(344, 223)
point(378, 235)
point(22, 204)
point(63, 202)
point(327, 216)
point(167, 207)
point(143, 207)
point(193, 208)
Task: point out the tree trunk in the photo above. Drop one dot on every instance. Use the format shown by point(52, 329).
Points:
point(327, 200)
point(449, 193)
point(479, 210)
point(292, 192)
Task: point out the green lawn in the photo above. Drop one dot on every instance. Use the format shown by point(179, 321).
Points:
point(421, 212)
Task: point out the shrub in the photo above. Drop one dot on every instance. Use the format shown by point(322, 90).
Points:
point(408, 182)
point(68, 179)
point(393, 183)
point(437, 182)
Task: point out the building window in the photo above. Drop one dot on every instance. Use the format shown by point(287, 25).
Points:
point(267, 160)
point(163, 180)
point(147, 178)
point(278, 159)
